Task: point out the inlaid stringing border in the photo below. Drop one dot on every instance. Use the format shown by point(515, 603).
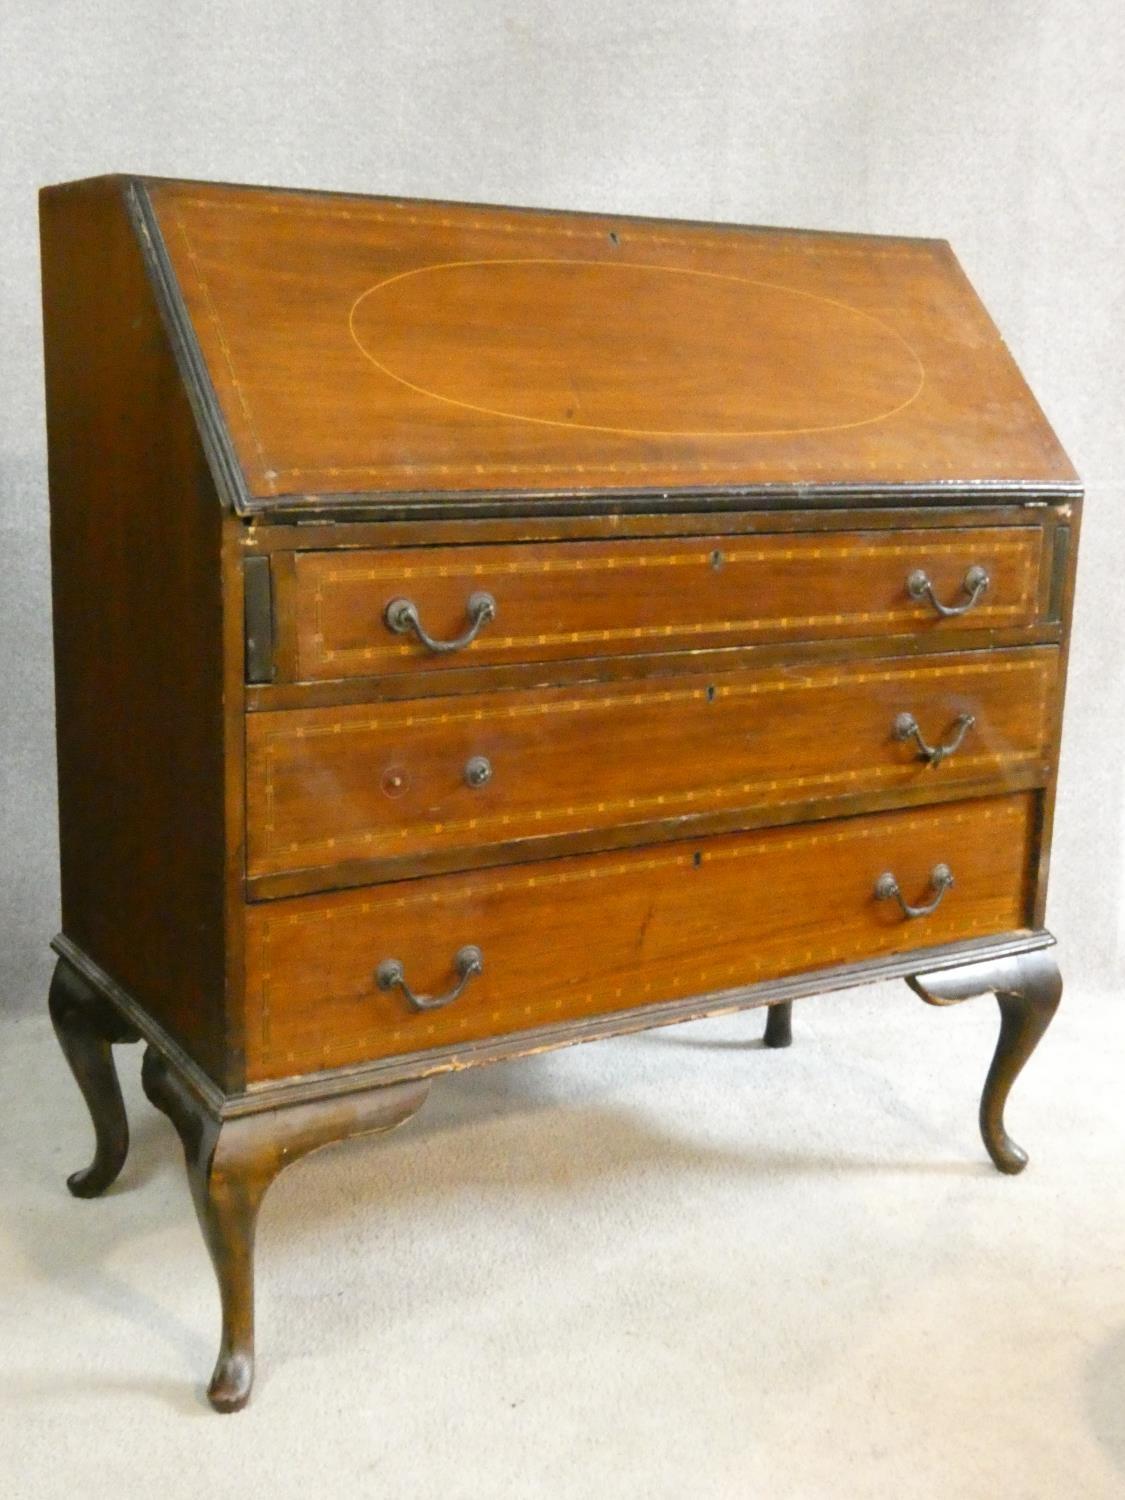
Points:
point(600, 700)
point(575, 562)
point(614, 266)
point(823, 783)
point(398, 212)
point(747, 969)
point(1025, 548)
point(594, 232)
point(413, 713)
point(224, 345)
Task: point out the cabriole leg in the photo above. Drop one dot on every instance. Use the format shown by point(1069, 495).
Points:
point(87, 1026)
point(1028, 989)
point(230, 1164)
point(779, 1025)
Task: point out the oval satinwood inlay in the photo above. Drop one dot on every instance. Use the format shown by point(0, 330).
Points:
point(647, 351)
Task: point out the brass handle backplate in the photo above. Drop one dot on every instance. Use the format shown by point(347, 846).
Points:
point(887, 889)
point(468, 962)
point(401, 616)
point(906, 728)
point(976, 580)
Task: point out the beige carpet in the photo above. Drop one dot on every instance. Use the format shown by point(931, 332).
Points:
point(675, 1265)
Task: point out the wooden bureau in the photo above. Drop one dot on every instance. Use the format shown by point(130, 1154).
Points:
point(479, 630)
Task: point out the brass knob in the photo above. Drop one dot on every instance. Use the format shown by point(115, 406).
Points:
point(478, 771)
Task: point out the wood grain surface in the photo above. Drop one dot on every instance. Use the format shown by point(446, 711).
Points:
point(694, 466)
point(381, 781)
point(580, 936)
point(137, 537)
point(588, 599)
point(368, 346)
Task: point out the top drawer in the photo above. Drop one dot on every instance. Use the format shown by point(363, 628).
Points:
point(583, 599)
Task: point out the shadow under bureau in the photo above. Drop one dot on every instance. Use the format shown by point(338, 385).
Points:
point(479, 630)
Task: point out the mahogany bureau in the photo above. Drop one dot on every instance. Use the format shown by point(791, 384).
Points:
point(479, 630)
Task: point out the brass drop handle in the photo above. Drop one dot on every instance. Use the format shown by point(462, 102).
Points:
point(401, 616)
point(887, 889)
point(906, 728)
point(976, 580)
point(468, 962)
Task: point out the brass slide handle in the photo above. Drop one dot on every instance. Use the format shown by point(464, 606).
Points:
point(906, 728)
point(887, 889)
point(976, 580)
point(468, 962)
point(401, 616)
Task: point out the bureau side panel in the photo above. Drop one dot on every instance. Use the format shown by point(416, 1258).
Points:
point(138, 625)
point(1062, 574)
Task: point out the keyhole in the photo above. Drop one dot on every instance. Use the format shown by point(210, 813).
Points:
point(717, 560)
point(697, 859)
point(613, 240)
point(710, 692)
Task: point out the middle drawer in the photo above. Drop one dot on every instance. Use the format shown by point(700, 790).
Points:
point(371, 782)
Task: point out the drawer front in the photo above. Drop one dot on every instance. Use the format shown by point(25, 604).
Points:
point(570, 938)
point(373, 782)
point(581, 599)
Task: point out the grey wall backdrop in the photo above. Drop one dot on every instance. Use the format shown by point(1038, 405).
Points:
point(997, 124)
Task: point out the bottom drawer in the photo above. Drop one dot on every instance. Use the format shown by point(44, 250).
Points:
point(570, 938)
